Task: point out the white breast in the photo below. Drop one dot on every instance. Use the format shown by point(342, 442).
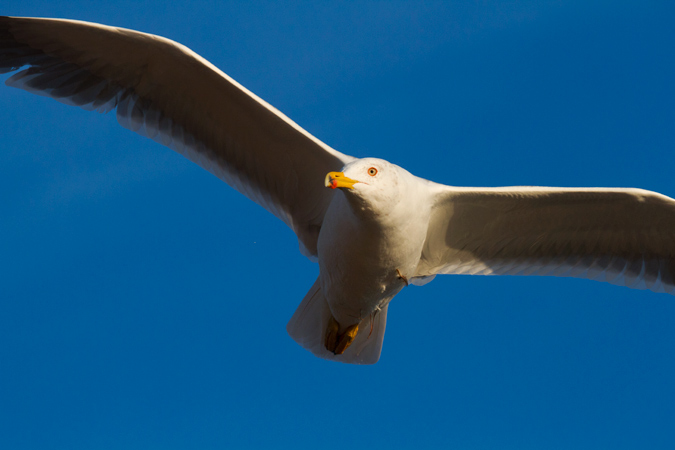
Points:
point(359, 258)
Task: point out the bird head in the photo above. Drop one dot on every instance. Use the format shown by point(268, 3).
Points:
point(369, 184)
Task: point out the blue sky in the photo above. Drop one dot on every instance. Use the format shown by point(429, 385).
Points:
point(143, 302)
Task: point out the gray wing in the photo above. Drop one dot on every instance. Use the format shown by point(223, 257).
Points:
point(166, 92)
point(620, 236)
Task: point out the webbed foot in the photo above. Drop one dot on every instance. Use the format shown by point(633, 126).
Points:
point(339, 342)
point(331, 334)
point(346, 339)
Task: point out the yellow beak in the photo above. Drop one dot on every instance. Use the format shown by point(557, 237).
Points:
point(336, 180)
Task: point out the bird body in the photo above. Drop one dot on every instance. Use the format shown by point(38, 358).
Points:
point(385, 227)
point(379, 228)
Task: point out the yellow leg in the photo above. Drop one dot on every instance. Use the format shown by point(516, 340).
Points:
point(331, 334)
point(339, 342)
point(346, 339)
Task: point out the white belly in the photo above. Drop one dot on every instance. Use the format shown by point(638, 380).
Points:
point(360, 261)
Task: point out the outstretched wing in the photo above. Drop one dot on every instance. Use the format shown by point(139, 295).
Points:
point(621, 236)
point(165, 91)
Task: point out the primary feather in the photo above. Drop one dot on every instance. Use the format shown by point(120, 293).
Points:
point(165, 91)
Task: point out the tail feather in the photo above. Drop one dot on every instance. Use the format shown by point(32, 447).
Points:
point(308, 328)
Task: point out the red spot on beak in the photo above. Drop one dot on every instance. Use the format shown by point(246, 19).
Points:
point(333, 184)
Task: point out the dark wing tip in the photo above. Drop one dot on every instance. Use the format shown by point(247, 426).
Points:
point(14, 54)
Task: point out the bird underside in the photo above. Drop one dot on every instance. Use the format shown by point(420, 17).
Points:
point(337, 342)
point(314, 327)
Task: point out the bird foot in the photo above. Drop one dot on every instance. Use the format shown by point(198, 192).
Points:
point(401, 277)
point(339, 342)
point(331, 334)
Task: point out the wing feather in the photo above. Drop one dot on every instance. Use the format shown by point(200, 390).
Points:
point(619, 236)
point(165, 91)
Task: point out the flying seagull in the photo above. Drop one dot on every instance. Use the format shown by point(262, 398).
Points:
point(373, 227)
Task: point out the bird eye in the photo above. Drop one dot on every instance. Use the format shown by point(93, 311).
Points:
point(372, 171)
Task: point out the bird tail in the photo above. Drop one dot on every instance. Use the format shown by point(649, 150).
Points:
point(308, 325)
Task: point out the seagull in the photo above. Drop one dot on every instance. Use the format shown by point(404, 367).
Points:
point(373, 227)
